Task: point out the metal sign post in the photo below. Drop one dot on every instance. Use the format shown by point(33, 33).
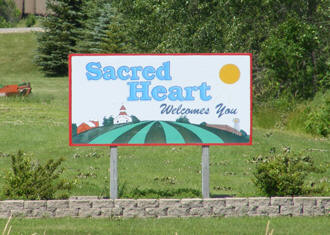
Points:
point(113, 173)
point(205, 172)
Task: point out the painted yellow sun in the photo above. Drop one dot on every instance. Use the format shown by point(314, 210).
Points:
point(229, 73)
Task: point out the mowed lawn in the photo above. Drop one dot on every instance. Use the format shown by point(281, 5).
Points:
point(171, 226)
point(39, 126)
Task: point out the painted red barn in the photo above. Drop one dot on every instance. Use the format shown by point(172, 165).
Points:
point(85, 126)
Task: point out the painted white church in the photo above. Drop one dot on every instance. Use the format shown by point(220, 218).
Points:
point(122, 117)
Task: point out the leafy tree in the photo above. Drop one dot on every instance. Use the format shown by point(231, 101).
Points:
point(183, 119)
point(288, 39)
point(108, 121)
point(60, 36)
point(241, 26)
point(290, 60)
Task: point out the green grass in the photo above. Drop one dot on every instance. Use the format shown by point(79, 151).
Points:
point(22, 22)
point(39, 124)
point(242, 225)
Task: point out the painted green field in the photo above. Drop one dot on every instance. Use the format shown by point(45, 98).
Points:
point(39, 126)
point(144, 132)
point(241, 225)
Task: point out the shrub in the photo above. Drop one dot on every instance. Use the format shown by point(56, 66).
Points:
point(318, 115)
point(30, 180)
point(284, 174)
point(9, 14)
point(4, 23)
point(30, 20)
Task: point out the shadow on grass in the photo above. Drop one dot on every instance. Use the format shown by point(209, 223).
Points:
point(222, 195)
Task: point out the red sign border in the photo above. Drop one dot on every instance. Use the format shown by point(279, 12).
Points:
point(160, 144)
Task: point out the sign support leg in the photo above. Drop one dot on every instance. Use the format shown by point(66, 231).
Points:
point(205, 172)
point(113, 173)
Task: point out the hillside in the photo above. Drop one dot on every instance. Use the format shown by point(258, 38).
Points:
point(39, 126)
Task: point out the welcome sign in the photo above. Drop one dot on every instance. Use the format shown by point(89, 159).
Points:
point(160, 99)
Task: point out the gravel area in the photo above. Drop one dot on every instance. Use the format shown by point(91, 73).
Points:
point(20, 30)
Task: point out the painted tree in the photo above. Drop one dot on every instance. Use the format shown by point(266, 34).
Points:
point(108, 121)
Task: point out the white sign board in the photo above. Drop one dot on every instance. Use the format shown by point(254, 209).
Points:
point(160, 99)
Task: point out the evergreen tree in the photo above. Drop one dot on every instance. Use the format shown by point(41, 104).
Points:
point(90, 31)
point(61, 35)
point(103, 31)
point(135, 119)
point(74, 129)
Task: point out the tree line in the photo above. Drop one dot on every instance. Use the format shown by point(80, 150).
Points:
point(288, 38)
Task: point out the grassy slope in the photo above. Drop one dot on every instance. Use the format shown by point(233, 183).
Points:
point(38, 125)
point(242, 225)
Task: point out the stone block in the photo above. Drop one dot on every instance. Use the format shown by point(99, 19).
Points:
point(64, 212)
point(268, 210)
point(230, 211)
point(105, 212)
point(224, 211)
point(75, 204)
point(11, 205)
point(323, 202)
point(241, 211)
point(281, 201)
point(116, 211)
point(89, 212)
point(125, 203)
point(147, 203)
point(133, 212)
point(85, 198)
point(304, 201)
point(318, 211)
point(214, 203)
point(57, 204)
point(4, 214)
point(110, 212)
point(237, 202)
point(191, 203)
point(40, 213)
point(169, 203)
point(291, 210)
point(155, 212)
point(103, 203)
point(273, 211)
point(177, 212)
point(259, 201)
point(21, 213)
point(202, 212)
point(308, 210)
point(253, 210)
point(35, 205)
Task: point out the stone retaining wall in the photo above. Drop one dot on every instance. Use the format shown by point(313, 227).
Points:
point(159, 208)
